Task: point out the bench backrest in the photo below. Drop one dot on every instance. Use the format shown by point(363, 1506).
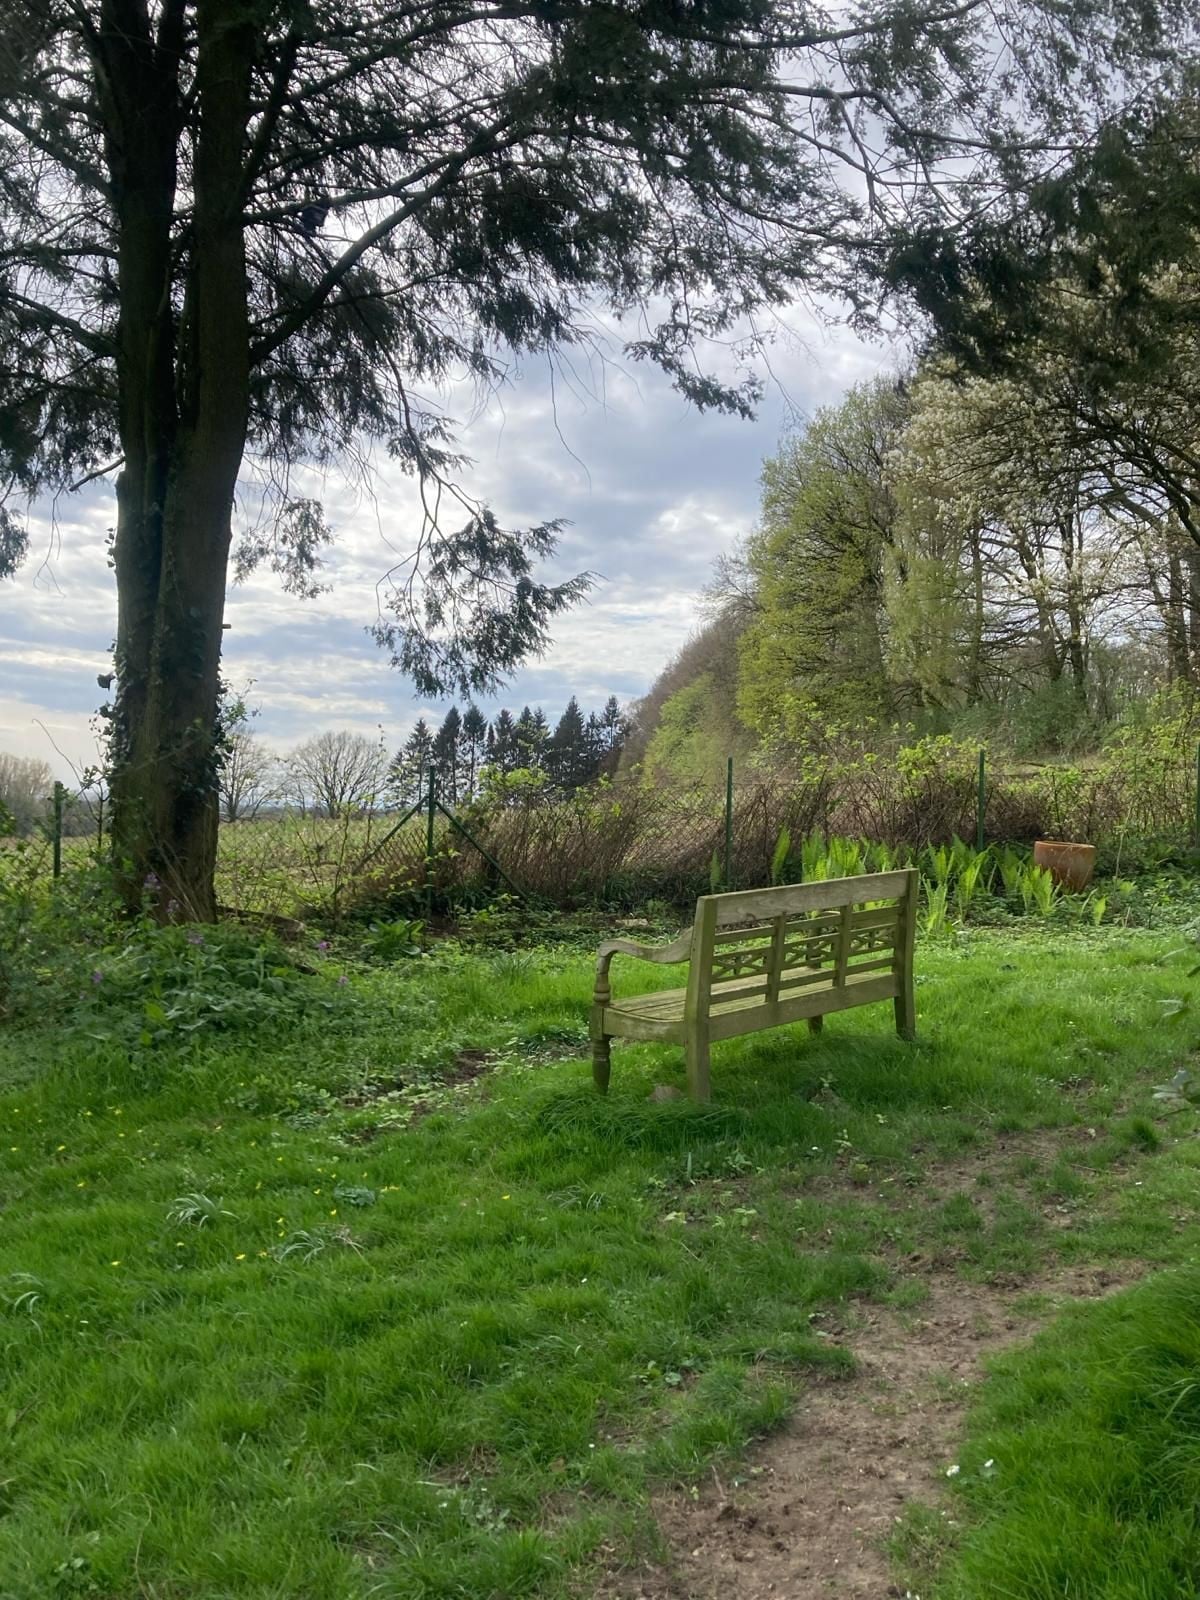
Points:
point(773, 943)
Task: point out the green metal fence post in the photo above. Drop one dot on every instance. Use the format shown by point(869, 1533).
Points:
point(58, 811)
point(981, 800)
point(429, 821)
point(729, 824)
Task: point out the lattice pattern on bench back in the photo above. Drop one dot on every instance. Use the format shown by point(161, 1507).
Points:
point(794, 950)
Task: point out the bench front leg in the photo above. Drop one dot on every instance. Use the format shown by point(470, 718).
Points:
point(672, 954)
point(696, 1056)
point(906, 1000)
point(601, 1061)
point(601, 1043)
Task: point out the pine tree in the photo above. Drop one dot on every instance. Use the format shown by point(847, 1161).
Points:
point(502, 743)
point(473, 745)
point(613, 725)
point(407, 775)
point(593, 741)
point(530, 736)
point(566, 750)
point(446, 756)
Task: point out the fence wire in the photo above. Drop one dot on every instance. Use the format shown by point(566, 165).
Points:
point(625, 842)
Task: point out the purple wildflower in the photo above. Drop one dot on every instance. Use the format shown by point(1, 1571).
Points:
point(97, 976)
point(195, 937)
point(172, 907)
point(343, 979)
point(152, 881)
point(322, 945)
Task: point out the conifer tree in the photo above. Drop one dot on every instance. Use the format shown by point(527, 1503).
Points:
point(410, 765)
point(446, 756)
point(473, 745)
point(566, 750)
point(502, 743)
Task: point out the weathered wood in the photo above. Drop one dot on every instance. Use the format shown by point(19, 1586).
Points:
point(775, 967)
point(602, 1062)
point(697, 998)
point(906, 1001)
point(760, 905)
point(800, 953)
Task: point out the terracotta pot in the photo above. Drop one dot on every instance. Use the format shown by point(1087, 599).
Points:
point(1070, 865)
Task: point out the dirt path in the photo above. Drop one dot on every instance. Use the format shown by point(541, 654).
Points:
point(809, 1513)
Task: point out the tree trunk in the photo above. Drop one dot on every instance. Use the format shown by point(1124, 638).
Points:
point(173, 522)
point(1072, 549)
point(1193, 566)
point(975, 658)
point(1175, 621)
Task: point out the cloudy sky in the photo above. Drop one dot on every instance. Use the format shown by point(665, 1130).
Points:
point(653, 493)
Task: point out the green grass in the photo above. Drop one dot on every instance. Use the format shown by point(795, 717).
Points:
point(291, 1314)
point(1081, 1474)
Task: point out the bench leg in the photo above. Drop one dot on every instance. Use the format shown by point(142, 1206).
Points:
point(697, 1069)
point(815, 1024)
point(602, 1061)
point(906, 1011)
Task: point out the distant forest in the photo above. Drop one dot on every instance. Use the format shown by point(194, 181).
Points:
point(467, 746)
point(952, 554)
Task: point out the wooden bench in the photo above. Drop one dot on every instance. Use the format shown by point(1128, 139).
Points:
point(763, 957)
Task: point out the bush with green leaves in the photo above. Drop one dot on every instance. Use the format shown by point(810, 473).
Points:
point(65, 949)
point(158, 983)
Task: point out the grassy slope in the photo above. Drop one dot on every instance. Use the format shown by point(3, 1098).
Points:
point(1082, 1472)
point(462, 1387)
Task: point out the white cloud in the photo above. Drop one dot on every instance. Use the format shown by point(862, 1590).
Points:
point(653, 491)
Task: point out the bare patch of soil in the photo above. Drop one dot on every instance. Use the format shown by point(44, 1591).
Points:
point(809, 1514)
point(465, 1068)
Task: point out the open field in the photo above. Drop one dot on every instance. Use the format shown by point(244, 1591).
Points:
point(370, 1295)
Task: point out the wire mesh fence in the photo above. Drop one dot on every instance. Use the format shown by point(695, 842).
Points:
point(623, 843)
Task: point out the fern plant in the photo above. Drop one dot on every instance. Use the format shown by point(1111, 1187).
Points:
point(933, 916)
point(814, 860)
point(971, 882)
point(1013, 868)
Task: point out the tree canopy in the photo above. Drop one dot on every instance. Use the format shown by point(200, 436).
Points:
point(239, 235)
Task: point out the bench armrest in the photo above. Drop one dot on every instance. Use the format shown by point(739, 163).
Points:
point(677, 951)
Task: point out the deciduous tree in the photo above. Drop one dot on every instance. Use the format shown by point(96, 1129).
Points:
point(25, 786)
point(339, 772)
point(250, 776)
point(275, 226)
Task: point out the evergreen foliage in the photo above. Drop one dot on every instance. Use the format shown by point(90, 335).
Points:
point(467, 749)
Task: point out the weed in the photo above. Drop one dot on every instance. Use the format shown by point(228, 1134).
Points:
point(391, 941)
point(196, 1211)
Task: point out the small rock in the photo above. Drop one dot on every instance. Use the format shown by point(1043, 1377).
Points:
point(665, 1091)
